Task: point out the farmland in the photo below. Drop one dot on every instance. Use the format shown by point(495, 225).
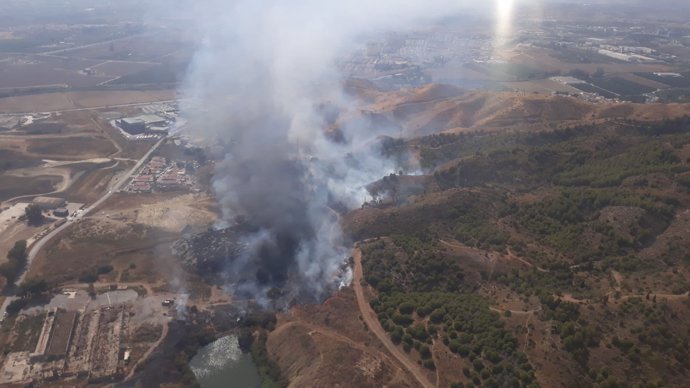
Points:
point(86, 57)
point(76, 100)
point(620, 86)
point(587, 88)
point(671, 81)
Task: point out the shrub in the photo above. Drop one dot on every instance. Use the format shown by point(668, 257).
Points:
point(424, 351)
point(406, 308)
point(16, 305)
point(438, 316)
point(478, 365)
point(34, 214)
point(88, 278)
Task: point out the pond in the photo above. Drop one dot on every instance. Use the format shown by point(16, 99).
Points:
point(221, 364)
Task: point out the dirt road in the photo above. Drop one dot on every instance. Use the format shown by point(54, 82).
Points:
point(146, 355)
point(38, 245)
point(373, 323)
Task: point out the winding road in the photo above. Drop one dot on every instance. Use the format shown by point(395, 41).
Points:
point(374, 325)
point(38, 245)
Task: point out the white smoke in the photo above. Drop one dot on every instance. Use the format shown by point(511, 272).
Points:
point(257, 86)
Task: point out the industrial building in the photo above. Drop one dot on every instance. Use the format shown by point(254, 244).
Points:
point(144, 123)
point(61, 212)
point(84, 345)
point(133, 126)
point(49, 203)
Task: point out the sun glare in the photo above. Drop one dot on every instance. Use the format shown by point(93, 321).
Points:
point(504, 21)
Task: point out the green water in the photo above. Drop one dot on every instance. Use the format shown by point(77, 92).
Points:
point(221, 364)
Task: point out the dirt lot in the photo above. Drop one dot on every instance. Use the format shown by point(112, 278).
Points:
point(168, 212)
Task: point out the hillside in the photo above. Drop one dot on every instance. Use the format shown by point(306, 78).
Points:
point(441, 108)
point(529, 257)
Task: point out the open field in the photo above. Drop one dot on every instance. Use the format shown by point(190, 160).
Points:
point(70, 148)
point(74, 153)
point(35, 71)
point(80, 182)
point(549, 61)
point(54, 57)
point(132, 232)
point(147, 48)
point(56, 147)
point(50, 102)
point(14, 186)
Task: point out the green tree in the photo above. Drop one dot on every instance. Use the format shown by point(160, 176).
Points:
point(18, 251)
point(15, 263)
point(34, 214)
point(33, 287)
point(425, 352)
point(16, 305)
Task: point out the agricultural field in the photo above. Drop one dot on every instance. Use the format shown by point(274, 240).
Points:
point(671, 81)
point(141, 48)
point(36, 59)
point(587, 88)
point(33, 71)
point(509, 71)
point(84, 100)
point(620, 86)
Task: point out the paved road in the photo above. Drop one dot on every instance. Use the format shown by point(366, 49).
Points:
point(38, 245)
point(374, 325)
point(94, 108)
point(53, 52)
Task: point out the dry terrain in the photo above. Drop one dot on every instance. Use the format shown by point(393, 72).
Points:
point(327, 344)
point(439, 108)
point(133, 233)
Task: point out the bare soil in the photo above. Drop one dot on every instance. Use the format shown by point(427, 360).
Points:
point(328, 344)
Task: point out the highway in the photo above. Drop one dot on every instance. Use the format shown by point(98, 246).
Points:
point(38, 245)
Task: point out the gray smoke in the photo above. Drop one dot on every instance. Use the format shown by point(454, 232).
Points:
point(264, 87)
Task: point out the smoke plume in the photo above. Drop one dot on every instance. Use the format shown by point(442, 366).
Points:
point(264, 86)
